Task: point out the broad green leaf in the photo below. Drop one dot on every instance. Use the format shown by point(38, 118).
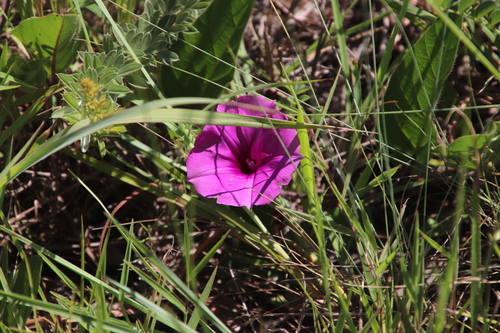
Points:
point(206, 62)
point(28, 71)
point(495, 16)
point(128, 69)
point(465, 39)
point(462, 151)
point(485, 8)
point(414, 89)
point(464, 148)
point(117, 89)
point(56, 37)
point(465, 4)
point(468, 143)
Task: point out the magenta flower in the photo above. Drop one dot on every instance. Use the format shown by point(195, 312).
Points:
point(243, 166)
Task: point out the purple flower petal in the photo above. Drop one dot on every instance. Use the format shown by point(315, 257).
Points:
point(243, 166)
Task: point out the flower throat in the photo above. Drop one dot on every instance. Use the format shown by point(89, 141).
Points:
point(248, 166)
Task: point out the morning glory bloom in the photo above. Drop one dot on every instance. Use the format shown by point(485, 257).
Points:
point(243, 166)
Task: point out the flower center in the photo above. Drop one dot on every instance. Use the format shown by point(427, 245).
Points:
point(249, 166)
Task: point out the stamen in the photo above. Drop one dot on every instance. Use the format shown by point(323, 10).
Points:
point(249, 166)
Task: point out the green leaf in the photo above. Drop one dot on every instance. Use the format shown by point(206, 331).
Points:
point(485, 8)
point(208, 55)
point(435, 245)
point(464, 148)
point(32, 71)
point(363, 186)
point(129, 69)
point(117, 89)
point(468, 143)
point(8, 87)
point(4, 56)
point(414, 89)
point(385, 176)
point(465, 4)
point(495, 16)
point(137, 81)
point(54, 36)
point(67, 113)
point(197, 313)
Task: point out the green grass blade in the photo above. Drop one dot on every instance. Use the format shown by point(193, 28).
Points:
point(145, 113)
point(197, 313)
point(85, 318)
